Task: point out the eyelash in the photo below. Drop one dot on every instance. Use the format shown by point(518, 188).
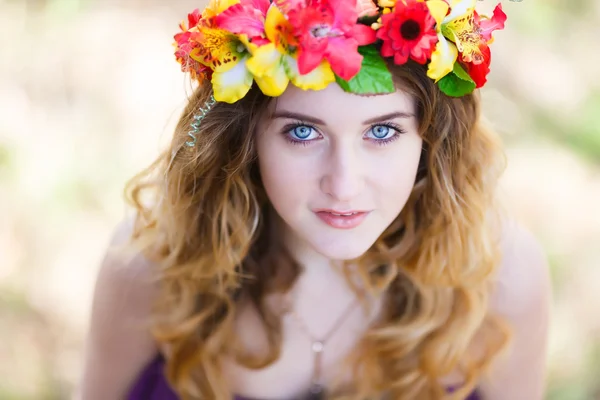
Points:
point(379, 142)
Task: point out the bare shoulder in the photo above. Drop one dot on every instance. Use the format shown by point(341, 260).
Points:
point(522, 284)
point(126, 266)
point(119, 343)
point(125, 277)
point(521, 296)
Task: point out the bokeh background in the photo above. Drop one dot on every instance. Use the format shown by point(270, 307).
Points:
point(90, 92)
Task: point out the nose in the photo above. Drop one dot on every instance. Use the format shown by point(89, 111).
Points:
point(343, 173)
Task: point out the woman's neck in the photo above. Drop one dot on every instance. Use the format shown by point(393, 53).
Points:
point(320, 276)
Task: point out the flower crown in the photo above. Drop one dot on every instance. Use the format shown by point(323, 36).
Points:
point(313, 43)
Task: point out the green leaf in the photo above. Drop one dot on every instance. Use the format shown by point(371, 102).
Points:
point(373, 77)
point(457, 83)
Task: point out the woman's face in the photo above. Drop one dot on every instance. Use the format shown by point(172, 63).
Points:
point(338, 167)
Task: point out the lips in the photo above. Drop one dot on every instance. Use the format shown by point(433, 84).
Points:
point(342, 219)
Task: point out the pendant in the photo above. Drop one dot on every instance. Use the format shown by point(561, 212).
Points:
point(318, 347)
point(316, 392)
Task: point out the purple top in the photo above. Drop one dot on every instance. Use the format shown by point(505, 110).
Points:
point(152, 384)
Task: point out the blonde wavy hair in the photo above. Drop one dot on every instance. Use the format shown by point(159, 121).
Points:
point(203, 218)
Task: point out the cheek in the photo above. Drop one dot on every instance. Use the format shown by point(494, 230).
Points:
point(397, 182)
point(285, 177)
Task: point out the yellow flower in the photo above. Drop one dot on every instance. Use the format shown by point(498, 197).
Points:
point(445, 54)
point(456, 33)
point(274, 64)
point(216, 7)
point(460, 28)
point(386, 3)
point(226, 55)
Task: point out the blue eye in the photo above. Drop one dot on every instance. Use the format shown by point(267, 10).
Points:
point(301, 131)
point(305, 134)
point(380, 131)
point(384, 133)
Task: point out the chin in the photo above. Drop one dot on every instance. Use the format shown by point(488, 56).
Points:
point(342, 251)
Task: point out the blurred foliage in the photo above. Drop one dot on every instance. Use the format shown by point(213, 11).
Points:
point(580, 132)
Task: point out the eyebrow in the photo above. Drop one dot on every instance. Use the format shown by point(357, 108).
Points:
point(317, 121)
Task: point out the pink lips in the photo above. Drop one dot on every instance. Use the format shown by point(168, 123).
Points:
point(342, 219)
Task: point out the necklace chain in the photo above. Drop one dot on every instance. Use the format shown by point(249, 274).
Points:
point(318, 344)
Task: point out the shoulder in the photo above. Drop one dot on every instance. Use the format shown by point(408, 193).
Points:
point(119, 342)
point(521, 297)
point(125, 275)
point(522, 283)
point(124, 265)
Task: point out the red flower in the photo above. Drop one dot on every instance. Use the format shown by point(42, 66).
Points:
point(479, 67)
point(328, 29)
point(193, 19)
point(408, 32)
point(478, 72)
point(184, 45)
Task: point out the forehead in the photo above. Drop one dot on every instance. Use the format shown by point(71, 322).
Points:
point(333, 101)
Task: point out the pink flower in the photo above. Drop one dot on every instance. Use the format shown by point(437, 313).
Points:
point(246, 17)
point(366, 8)
point(488, 25)
point(328, 30)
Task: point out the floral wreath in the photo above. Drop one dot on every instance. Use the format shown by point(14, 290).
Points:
point(313, 43)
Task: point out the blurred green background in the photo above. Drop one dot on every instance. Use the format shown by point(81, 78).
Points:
point(89, 92)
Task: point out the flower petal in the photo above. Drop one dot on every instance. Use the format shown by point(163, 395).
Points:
point(344, 58)
point(264, 61)
point(310, 58)
point(443, 58)
point(364, 34)
point(459, 8)
point(216, 7)
point(386, 3)
point(260, 5)
point(479, 71)
point(276, 25)
point(366, 8)
point(239, 19)
point(183, 40)
point(464, 32)
point(287, 5)
point(317, 79)
point(194, 18)
point(275, 84)
point(233, 84)
point(438, 10)
point(217, 48)
point(487, 25)
point(345, 14)
point(266, 64)
point(408, 31)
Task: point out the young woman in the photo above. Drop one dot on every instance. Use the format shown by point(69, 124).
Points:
point(324, 224)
